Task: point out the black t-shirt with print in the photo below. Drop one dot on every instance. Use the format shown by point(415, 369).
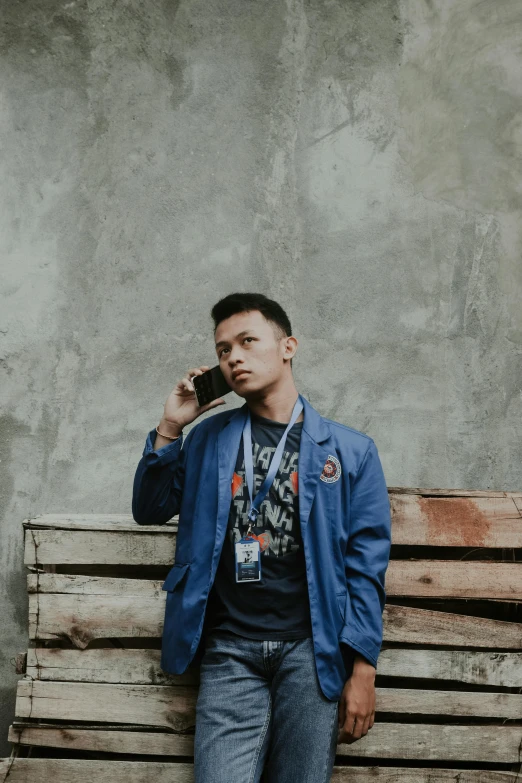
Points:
point(277, 606)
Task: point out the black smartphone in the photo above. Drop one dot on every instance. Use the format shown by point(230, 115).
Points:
point(210, 385)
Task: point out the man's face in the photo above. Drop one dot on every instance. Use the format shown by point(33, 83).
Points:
point(247, 343)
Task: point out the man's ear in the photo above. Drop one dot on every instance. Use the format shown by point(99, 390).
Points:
point(291, 344)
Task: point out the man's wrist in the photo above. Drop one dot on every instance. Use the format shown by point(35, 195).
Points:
point(169, 429)
point(363, 667)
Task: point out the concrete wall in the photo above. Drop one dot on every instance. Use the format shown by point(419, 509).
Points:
point(358, 160)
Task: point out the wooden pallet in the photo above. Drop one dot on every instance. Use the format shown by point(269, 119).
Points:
point(93, 701)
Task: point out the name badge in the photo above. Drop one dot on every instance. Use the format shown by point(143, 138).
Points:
point(248, 560)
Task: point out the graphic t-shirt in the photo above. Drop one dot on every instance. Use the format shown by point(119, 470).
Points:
point(277, 606)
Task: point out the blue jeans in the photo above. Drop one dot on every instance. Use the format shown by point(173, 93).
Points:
point(260, 706)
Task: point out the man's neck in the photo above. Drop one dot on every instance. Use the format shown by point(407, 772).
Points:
point(276, 405)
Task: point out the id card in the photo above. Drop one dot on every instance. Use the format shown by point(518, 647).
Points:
point(248, 560)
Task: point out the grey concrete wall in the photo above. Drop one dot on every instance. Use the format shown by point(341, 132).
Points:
point(358, 160)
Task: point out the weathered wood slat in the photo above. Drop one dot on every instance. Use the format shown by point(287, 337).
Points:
point(454, 579)
point(138, 612)
point(494, 522)
point(85, 771)
point(75, 584)
point(111, 665)
point(174, 706)
point(88, 547)
point(82, 618)
point(454, 493)
point(98, 522)
point(142, 667)
point(472, 519)
point(420, 578)
point(384, 741)
point(405, 624)
point(104, 740)
point(105, 547)
point(475, 668)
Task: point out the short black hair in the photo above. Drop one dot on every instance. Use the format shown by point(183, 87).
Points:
point(244, 303)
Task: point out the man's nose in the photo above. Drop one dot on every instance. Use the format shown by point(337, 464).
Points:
point(234, 357)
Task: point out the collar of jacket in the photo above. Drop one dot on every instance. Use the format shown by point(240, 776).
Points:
point(313, 423)
point(312, 457)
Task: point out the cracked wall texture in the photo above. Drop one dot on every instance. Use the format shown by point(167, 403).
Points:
point(358, 160)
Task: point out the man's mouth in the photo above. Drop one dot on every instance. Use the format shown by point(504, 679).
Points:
point(239, 374)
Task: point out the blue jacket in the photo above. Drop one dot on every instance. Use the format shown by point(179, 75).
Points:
point(345, 523)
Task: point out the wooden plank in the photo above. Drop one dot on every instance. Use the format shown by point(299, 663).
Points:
point(100, 547)
point(142, 667)
point(410, 741)
point(82, 618)
point(420, 578)
point(417, 520)
point(454, 493)
point(86, 770)
point(454, 579)
point(420, 517)
point(118, 522)
point(174, 706)
point(104, 740)
point(494, 522)
point(171, 707)
point(111, 665)
point(497, 669)
point(137, 610)
point(77, 584)
point(405, 624)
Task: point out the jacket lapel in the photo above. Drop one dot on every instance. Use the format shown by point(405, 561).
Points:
point(227, 447)
point(312, 457)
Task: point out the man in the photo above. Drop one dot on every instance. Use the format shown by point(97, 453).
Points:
point(288, 638)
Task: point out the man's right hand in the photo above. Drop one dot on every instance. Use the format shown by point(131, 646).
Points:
point(181, 407)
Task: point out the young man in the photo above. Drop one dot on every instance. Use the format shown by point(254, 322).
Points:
point(277, 589)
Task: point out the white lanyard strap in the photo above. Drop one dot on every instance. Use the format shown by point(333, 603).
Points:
point(274, 464)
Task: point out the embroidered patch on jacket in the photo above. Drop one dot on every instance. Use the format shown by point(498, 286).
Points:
point(332, 470)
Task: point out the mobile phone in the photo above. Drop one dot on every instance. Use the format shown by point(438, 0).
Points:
point(210, 385)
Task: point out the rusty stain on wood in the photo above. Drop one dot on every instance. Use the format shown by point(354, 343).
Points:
point(469, 525)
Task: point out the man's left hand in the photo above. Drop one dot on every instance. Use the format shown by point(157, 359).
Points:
point(357, 704)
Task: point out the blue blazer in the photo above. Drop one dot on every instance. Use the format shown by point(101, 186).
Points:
point(345, 523)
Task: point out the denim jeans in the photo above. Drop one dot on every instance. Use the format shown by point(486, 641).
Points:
point(260, 706)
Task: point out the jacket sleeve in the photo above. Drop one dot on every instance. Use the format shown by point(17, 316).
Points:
point(159, 479)
point(366, 560)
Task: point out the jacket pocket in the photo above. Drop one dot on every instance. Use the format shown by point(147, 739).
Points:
point(175, 575)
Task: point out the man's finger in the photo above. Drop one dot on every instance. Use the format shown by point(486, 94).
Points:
point(342, 713)
point(357, 731)
point(365, 726)
point(349, 722)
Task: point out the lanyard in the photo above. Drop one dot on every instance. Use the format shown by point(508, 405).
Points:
point(274, 464)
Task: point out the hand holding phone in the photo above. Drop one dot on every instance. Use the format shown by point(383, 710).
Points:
point(182, 405)
point(210, 385)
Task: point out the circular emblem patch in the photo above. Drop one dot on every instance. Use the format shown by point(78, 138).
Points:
point(332, 470)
